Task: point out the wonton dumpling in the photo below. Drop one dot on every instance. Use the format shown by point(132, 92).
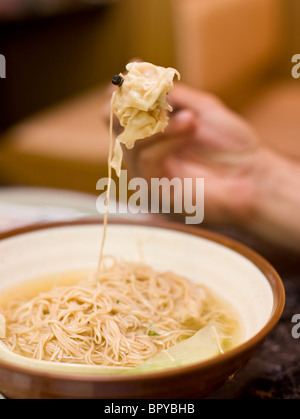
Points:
point(140, 104)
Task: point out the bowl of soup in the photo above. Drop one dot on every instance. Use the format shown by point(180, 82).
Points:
point(172, 311)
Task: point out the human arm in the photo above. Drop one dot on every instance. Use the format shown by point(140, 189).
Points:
point(246, 183)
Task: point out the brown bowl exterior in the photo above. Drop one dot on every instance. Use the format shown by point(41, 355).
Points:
point(194, 381)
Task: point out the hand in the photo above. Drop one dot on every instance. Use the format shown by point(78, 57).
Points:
point(206, 140)
point(246, 183)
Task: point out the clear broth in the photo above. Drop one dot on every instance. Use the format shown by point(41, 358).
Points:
point(30, 289)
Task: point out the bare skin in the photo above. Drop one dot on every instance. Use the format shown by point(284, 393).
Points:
point(246, 183)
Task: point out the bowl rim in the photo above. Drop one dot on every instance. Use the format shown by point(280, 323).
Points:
point(250, 345)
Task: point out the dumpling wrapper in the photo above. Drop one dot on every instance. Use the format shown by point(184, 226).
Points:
point(140, 105)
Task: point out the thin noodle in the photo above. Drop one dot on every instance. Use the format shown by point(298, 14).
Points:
point(120, 318)
point(110, 156)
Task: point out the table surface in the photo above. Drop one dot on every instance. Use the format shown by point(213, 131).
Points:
point(274, 370)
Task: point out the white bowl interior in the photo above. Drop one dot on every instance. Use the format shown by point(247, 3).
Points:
point(227, 273)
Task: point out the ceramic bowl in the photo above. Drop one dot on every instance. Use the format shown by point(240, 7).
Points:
point(238, 275)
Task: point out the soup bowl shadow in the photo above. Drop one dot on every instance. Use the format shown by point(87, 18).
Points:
point(233, 271)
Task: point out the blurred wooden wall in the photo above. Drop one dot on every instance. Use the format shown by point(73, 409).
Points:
point(149, 31)
point(58, 69)
point(52, 58)
point(234, 44)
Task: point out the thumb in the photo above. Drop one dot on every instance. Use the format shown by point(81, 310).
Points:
point(186, 97)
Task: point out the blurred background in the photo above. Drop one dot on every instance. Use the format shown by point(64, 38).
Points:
point(61, 55)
